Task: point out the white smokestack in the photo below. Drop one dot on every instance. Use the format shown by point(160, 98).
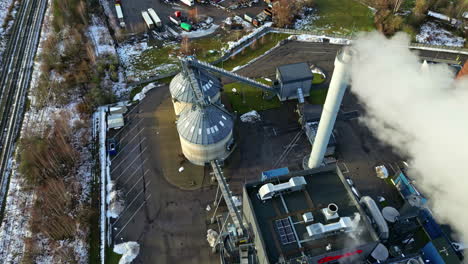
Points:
point(331, 107)
point(423, 115)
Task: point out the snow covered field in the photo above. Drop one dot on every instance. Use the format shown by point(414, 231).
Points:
point(433, 33)
point(137, 67)
point(101, 38)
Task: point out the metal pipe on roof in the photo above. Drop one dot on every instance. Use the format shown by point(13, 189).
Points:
point(336, 91)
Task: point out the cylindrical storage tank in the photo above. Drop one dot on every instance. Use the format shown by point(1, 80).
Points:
point(182, 94)
point(205, 134)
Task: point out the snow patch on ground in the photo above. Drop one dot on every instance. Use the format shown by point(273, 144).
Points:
point(131, 53)
point(201, 32)
point(308, 16)
point(233, 44)
point(139, 96)
point(251, 117)
point(128, 250)
point(433, 33)
point(101, 37)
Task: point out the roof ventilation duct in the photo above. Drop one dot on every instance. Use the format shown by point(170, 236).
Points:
point(331, 212)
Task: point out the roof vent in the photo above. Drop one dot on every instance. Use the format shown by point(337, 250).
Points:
point(308, 217)
point(269, 190)
point(331, 212)
point(320, 230)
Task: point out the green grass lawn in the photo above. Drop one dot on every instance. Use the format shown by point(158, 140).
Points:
point(112, 257)
point(150, 58)
point(249, 53)
point(248, 98)
point(203, 46)
point(318, 78)
point(318, 96)
point(341, 17)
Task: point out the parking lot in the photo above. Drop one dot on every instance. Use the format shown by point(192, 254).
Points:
point(168, 221)
point(134, 21)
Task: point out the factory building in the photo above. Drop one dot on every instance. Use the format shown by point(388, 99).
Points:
point(205, 134)
point(292, 77)
point(183, 96)
point(309, 216)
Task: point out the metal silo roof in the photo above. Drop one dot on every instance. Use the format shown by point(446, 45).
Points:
point(181, 90)
point(207, 125)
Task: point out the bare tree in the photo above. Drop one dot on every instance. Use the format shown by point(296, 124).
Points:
point(283, 13)
point(185, 46)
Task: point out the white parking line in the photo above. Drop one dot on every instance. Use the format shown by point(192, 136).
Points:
point(121, 150)
point(130, 204)
point(133, 216)
point(120, 163)
point(137, 169)
point(141, 178)
point(128, 133)
point(123, 128)
point(130, 165)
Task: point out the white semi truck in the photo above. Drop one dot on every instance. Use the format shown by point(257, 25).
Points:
point(157, 21)
point(147, 18)
point(119, 12)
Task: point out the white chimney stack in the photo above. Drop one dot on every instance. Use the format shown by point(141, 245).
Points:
point(336, 91)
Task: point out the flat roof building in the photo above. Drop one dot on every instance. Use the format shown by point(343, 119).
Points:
point(291, 77)
point(319, 223)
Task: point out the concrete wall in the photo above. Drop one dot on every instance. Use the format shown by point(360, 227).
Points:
point(201, 154)
point(250, 218)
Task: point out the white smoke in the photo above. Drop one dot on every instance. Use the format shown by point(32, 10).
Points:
point(423, 114)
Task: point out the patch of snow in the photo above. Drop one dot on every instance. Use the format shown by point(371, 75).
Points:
point(181, 169)
point(139, 96)
point(250, 117)
point(211, 237)
point(4, 7)
point(128, 250)
point(434, 34)
point(233, 44)
point(201, 32)
point(130, 54)
point(308, 16)
point(101, 37)
point(306, 38)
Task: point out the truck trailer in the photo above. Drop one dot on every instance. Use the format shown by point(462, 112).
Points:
point(119, 12)
point(157, 21)
point(147, 18)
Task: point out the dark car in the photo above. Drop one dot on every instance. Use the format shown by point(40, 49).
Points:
point(112, 146)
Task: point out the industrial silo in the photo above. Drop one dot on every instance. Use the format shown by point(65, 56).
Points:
point(205, 134)
point(182, 94)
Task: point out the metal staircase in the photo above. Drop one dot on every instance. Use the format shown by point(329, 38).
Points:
point(188, 71)
point(204, 65)
point(227, 195)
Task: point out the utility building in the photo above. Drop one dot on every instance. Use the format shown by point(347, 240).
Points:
point(314, 218)
point(292, 77)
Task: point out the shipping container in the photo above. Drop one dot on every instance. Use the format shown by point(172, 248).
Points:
point(248, 18)
point(119, 12)
point(157, 21)
point(186, 26)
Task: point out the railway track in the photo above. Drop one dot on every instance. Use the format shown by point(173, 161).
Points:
point(15, 77)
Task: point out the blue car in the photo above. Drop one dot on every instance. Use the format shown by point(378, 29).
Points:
point(112, 146)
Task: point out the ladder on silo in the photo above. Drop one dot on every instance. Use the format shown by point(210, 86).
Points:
point(206, 66)
point(188, 71)
point(227, 195)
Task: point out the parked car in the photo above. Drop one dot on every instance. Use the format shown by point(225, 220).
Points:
point(112, 146)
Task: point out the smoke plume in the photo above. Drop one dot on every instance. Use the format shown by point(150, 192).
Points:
point(423, 114)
